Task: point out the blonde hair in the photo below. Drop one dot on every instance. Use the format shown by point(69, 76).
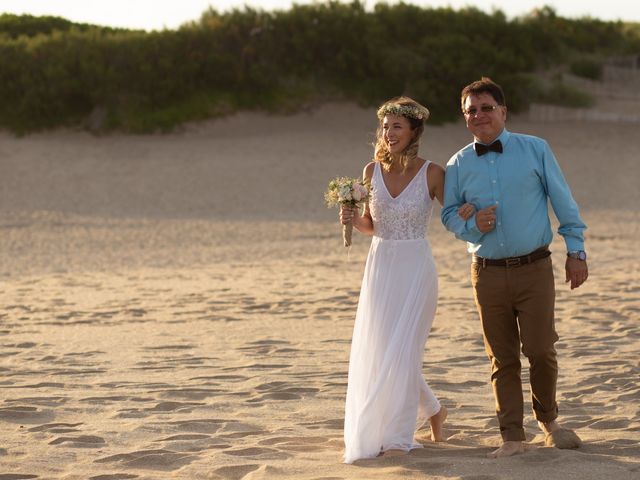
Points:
point(412, 111)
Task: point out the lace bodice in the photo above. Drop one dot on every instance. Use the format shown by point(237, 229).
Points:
point(404, 217)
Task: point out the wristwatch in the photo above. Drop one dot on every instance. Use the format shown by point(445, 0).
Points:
point(579, 254)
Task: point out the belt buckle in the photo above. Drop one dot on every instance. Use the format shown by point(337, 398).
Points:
point(513, 262)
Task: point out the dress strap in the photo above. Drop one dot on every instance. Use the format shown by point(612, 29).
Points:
point(426, 173)
point(376, 168)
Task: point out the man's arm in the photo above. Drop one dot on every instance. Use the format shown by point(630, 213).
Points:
point(463, 229)
point(566, 210)
point(564, 206)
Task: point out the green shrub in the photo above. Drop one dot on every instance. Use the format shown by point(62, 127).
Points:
point(586, 68)
point(559, 93)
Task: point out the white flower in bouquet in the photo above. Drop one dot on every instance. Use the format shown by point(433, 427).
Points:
point(345, 193)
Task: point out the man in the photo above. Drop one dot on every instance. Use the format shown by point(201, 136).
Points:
point(508, 177)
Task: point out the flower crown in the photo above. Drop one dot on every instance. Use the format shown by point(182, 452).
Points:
point(410, 111)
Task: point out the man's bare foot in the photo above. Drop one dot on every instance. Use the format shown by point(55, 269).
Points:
point(508, 448)
point(559, 437)
point(394, 452)
point(437, 422)
point(549, 427)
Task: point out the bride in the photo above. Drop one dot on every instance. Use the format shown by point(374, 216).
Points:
point(387, 397)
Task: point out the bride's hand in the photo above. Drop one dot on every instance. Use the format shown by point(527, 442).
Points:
point(466, 211)
point(348, 214)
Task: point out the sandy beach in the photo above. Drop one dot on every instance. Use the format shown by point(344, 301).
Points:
point(180, 306)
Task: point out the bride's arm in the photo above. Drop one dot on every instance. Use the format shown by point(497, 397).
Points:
point(363, 223)
point(435, 180)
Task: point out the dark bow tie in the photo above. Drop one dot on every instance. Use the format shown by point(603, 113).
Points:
point(482, 149)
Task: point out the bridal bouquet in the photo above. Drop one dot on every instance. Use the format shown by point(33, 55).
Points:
point(346, 191)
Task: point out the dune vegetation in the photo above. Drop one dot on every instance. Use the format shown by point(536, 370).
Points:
point(57, 73)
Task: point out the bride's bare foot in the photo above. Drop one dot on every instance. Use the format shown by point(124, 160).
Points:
point(507, 449)
point(437, 422)
point(394, 452)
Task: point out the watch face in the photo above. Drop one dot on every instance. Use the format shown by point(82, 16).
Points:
point(582, 255)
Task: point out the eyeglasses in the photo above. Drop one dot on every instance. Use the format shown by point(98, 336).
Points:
point(473, 111)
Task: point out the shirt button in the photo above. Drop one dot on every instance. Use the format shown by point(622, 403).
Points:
point(502, 244)
point(493, 181)
point(497, 202)
point(499, 223)
point(491, 161)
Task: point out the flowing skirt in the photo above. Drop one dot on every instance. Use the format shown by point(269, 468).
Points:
point(387, 397)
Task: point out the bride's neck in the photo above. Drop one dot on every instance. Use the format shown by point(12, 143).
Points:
point(397, 166)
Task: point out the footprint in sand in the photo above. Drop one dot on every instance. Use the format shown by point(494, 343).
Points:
point(426, 467)
point(24, 414)
point(226, 378)
point(174, 407)
point(236, 435)
point(258, 453)
point(114, 476)
point(265, 366)
point(610, 424)
point(263, 347)
point(192, 436)
point(235, 472)
point(169, 347)
point(333, 424)
point(282, 391)
point(192, 443)
point(103, 400)
point(40, 401)
point(198, 425)
point(150, 459)
point(192, 393)
point(298, 444)
point(284, 396)
point(257, 307)
point(82, 441)
point(23, 345)
point(466, 359)
point(460, 387)
point(540, 455)
point(16, 476)
point(56, 428)
point(286, 350)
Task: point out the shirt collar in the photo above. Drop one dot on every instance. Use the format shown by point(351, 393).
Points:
point(503, 137)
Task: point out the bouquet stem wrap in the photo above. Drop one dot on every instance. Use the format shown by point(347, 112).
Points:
point(347, 232)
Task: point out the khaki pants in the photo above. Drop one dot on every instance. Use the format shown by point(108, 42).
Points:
point(516, 308)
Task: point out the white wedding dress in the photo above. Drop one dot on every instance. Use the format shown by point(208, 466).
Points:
point(387, 397)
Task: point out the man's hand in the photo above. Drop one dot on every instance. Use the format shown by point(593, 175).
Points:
point(577, 272)
point(486, 219)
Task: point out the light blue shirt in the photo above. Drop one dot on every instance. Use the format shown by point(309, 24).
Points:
point(518, 181)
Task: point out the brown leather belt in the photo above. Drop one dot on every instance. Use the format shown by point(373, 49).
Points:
point(512, 262)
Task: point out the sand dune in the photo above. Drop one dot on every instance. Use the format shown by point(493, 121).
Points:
point(181, 307)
